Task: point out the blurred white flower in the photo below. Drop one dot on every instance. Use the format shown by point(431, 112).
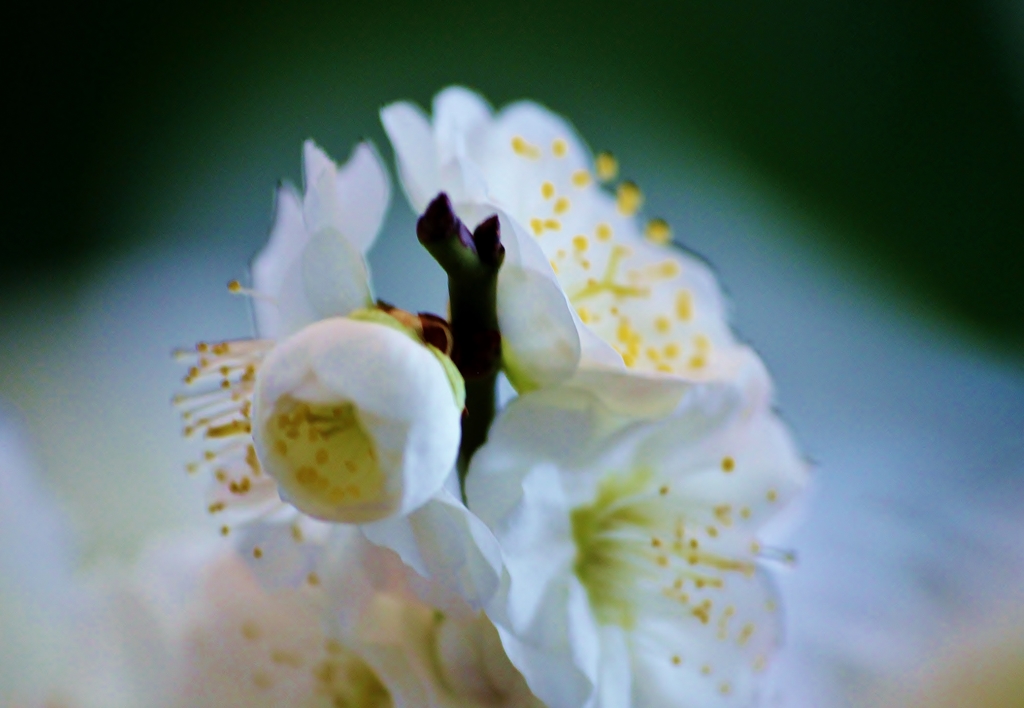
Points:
point(633, 567)
point(449, 649)
point(581, 279)
point(221, 633)
point(36, 599)
point(192, 626)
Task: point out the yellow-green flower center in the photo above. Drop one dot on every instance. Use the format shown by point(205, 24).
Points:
point(608, 549)
point(633, 546)
point(326, 459)
point(349, 682)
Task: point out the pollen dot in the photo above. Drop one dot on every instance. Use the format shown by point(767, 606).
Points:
point(628, 198)
point(772, 495)
point(728, 464)
point(257, 552)
point(547, 190)
point(581, 178)
point(251, 631)
point(684, 305)
point(676, 660)
point(658, 231)
point(604, 232)
point(224, 530)
point(580, 243)
point(523, 148)
point(559, 147)
point(606, 166)
point(561, 205)
point(234, 286)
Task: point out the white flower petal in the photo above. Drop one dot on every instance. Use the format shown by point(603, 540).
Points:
point(551, 674)
point(710, 664)
point(444, 541)
point(313, 266)
point(415, 152)
point(288, 237)
point(458, 114)
point(320, 205)
point(334, 275)
point(474, 663)
point(364, 193)
point(540, 344)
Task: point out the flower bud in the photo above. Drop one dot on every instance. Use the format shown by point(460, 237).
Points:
point(356, 419)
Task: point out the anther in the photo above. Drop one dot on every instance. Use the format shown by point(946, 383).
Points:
point(628, 198)
point(606, 166)
point(658, 231)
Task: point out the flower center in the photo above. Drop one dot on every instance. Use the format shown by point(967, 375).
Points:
point(635, 550)
point(327, 459)
point(349, 682)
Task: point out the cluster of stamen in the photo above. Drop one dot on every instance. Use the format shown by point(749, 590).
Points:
point(327, 452)
point(637, 302)
point(641, 549)
point(334, 673)
point(217, 406)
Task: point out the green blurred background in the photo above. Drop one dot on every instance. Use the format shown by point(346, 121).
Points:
point(897, 125)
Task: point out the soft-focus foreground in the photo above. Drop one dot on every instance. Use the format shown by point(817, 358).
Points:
point(612, 543)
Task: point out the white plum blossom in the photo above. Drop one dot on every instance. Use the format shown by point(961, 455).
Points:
point(340, 410)
point(356, 420)
point(634, 573)
point(582, 280)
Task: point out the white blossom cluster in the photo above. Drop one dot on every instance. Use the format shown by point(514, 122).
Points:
point(602, 549)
